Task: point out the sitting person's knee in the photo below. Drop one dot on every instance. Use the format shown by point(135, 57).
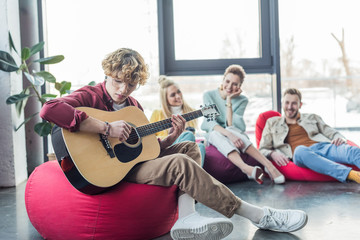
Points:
point(188, 136)
point(300, 149)
point(299, 152)
point(183, 162)
point(185, 146)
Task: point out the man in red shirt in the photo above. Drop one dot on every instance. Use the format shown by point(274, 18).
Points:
point(177, 164)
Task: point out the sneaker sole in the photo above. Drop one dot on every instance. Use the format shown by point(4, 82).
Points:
point(212, 231)
point(301, 226)
point(293, 229)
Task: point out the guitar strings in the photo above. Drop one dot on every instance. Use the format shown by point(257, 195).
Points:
point(156, 127)
point(151, 128)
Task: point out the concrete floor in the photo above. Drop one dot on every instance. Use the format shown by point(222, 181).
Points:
point(333, 209)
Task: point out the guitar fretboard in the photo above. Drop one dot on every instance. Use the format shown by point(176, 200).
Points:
point(165, 124)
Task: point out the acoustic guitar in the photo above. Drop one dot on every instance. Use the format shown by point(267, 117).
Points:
point(92, 162)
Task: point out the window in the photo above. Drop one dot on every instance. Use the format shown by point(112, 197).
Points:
point(312, 59)
point(204, 37)
point(216, 29)
point(92, 29)
point(88, 33)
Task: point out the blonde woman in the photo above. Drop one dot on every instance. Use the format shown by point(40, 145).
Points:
point(172, 103)
point(227, 133)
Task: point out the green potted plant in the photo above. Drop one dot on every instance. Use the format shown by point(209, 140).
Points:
point(36, 79)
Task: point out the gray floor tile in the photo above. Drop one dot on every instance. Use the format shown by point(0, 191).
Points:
point(333, 209)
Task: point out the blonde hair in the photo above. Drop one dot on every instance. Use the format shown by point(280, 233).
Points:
point(126, 64)
point(236, 70)
point(164, 83)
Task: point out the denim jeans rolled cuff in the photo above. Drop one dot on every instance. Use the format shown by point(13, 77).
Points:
point(322, 158)
point(202, 149)
point(189, 136)
point(185, 136)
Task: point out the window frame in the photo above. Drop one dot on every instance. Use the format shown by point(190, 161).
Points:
point(264, 64)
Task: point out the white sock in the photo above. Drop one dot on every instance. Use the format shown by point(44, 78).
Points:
point(249, 211)
point(186, 205)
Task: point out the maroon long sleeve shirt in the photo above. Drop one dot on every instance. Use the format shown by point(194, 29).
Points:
point(62, 111)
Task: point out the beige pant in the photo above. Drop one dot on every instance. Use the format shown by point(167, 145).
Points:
point(180, 165)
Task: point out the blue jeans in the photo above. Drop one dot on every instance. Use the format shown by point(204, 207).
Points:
point(189, 136)
point(325, 157)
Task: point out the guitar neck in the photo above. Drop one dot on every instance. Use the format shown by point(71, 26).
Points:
point(165, 124)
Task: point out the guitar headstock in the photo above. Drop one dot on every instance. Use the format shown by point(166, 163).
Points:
point(210, 112)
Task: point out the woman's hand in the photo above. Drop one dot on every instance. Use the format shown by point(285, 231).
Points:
point(236, 93)
point(235, 140)
point(120, 129)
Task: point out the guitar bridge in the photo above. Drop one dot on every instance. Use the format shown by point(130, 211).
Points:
point(106, 144)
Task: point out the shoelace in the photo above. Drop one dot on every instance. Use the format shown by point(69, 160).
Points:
point(279, 218)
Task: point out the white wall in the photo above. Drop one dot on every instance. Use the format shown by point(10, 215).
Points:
point(13, 167)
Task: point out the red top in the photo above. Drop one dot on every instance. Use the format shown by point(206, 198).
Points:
point(62, 112)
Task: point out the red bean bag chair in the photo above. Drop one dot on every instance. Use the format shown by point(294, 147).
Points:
point(127, 211)
point(292, 171)
point(221, 168)
point(260, 124)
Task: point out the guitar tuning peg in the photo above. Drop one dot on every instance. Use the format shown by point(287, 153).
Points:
point(201, 106)
point(208, 119)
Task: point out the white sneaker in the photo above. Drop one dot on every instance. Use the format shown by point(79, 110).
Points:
point(197, 227)
point(282, 220)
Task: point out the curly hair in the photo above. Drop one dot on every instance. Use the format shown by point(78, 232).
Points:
point(236, 70)
point(126, 64)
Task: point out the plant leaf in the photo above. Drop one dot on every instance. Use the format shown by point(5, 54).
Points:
point(26, 120)
point(35, 79)
point(92, 83)
point(25, 53)
point(22, 67)
point(37, 48)
point(17, 98)
point(51, 60)
point(7, 62)
point(12, 45)
point(57, 86)
point(29, 77)
point(43, 128)
point(65, 87)
point(20, 105)
point(42, 100)
point(47, 76)
point(48, 95)
point(39, 80)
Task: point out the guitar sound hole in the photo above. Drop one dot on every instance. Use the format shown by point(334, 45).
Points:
point(133, 137)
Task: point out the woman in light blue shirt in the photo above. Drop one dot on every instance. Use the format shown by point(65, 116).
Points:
point(227, 133)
